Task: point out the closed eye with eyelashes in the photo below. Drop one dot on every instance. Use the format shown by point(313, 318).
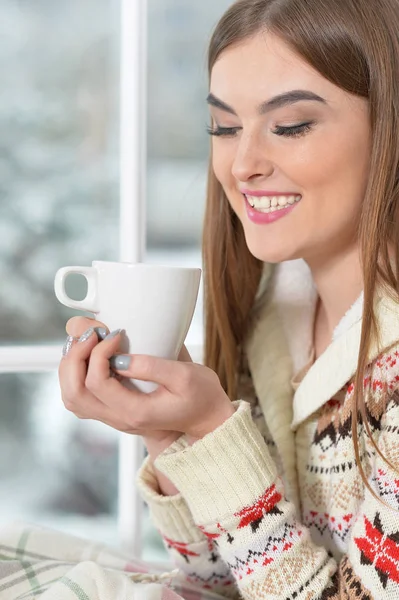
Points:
point(284, 131)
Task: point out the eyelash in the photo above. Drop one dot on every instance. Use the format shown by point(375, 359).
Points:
point(294, 131)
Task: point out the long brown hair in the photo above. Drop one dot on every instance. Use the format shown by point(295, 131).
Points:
point(355, 45)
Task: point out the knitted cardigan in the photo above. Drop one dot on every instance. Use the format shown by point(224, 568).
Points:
point(271, 503)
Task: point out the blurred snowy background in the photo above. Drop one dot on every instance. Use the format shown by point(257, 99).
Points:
point(59, 206)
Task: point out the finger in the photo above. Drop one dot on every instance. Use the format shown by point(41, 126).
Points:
point(151, 368)
point(77, 326)
point(127, 404)
point(99, 378)
point(69, 342)
point(81, 348)
point(73, 373)
point(79, 400)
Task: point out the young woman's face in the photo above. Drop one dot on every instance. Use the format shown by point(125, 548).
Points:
point(293, 145)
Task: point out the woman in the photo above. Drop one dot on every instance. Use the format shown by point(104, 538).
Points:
point(273, 472)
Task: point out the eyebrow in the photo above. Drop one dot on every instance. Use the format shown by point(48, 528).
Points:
point(275, 102)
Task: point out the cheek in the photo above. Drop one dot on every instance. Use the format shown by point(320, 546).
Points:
point(336, 171)
point(222, 161)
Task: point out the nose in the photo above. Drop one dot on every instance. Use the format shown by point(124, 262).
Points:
point(251, 160)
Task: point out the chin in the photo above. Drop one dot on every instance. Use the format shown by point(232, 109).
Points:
point(271, 253)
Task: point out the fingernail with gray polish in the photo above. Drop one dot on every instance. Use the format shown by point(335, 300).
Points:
point(120, 362)
point(86, 335)
point(101, 333)
point(113, 334)
point(68, 345)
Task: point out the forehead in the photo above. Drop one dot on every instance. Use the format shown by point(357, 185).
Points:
point(261, 67)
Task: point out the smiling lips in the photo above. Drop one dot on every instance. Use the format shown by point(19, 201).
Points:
point(268, 207)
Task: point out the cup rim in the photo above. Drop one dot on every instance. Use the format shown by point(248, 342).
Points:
point(139, 265)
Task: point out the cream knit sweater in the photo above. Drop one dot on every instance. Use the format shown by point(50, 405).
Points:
point(271, 503)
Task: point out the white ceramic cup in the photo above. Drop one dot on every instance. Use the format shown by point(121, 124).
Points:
point(154, 305)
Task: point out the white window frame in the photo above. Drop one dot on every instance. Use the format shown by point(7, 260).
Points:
point(36, 359)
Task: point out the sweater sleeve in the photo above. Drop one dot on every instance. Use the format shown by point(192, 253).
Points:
point(237, 500)
point(190, 550)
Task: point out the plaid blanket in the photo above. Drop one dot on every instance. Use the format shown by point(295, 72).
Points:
point(35, 561)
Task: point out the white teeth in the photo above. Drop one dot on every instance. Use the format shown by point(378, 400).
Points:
point(271, 203)
point(264, 202)
point(259, 201)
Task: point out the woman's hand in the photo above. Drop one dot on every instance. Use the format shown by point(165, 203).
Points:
point(189, 398)
point(78, 398)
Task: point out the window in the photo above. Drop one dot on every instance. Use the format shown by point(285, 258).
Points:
point(60, 166)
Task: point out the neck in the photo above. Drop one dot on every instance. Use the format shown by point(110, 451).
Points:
point(339, 283)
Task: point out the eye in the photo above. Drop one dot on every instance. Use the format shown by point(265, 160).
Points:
point(223, 131)
point(294, 130)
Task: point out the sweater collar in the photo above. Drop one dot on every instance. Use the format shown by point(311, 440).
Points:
point(278, 346)
point(338, 364)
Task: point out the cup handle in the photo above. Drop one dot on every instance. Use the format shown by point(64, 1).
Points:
point(90, 303)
